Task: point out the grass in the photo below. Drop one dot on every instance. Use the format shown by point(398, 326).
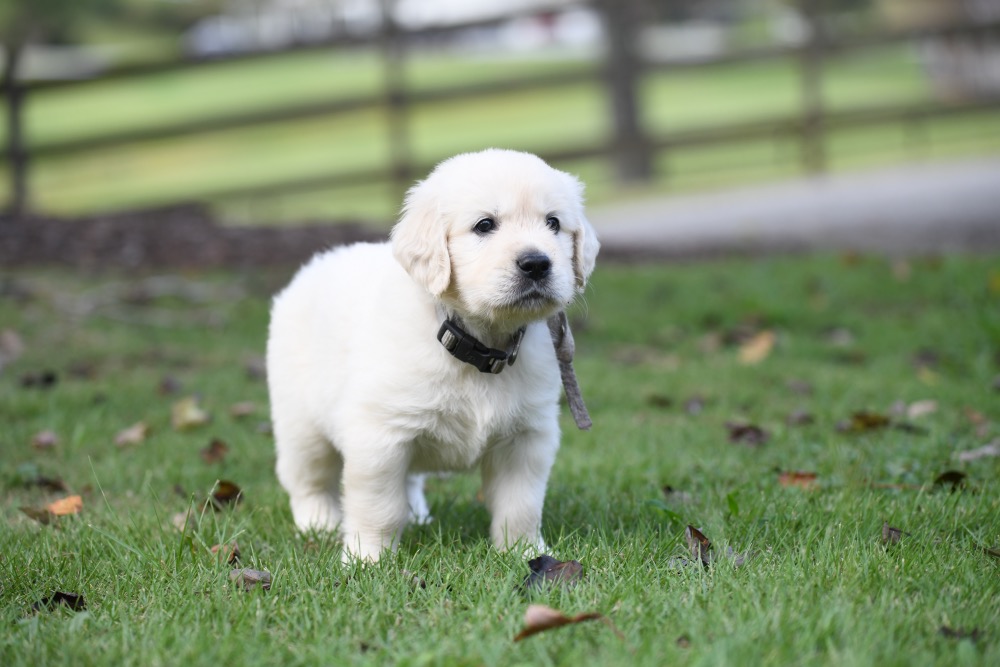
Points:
point(819, 586)
point(196, 166)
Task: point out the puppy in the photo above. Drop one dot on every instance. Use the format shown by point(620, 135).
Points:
point(431, 353)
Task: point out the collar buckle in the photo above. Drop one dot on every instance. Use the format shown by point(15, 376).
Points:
point(465, 348)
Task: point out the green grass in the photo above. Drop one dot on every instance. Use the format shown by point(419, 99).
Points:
point(196, 166)
point(819, 586)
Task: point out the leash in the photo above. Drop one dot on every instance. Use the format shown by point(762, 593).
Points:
point(562, 339)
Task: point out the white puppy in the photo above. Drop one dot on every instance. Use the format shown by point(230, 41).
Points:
point(365, 395)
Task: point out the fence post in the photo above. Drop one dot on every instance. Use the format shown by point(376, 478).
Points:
point(811, 75)
point(395, 100)
point(16, 156)
point(632, 155)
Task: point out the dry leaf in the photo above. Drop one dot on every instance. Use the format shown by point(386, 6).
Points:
point(242, 409)
point(955, 478)
point(891, 535)
point(74, 601)
point(992, 551)
point(698, 545)
point(226, 494)
point(800, 418)
point(185, 522)
point(992, 449)
point(659, 401)
point(44, 440)
point(757, 348)
point(539, 618)
point(228, 553)
point(215, 451)
point(803, 480)
point(546, 569)
point(67, 505)
point(959, 633)
point(135, 434)
point(750, 435)
point(249, 579)
point(39, 514)
point(40, 380)
point(187, 414)
point(863, 421)
point(169, 385)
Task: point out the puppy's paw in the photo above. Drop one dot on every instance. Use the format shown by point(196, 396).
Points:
point(318, 511)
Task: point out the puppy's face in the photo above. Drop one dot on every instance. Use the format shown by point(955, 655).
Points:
point(499, 236)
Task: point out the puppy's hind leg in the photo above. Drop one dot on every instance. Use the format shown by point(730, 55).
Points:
point(420, 513)
point(310, 470)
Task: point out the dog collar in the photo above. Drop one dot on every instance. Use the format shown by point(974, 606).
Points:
point(465, 348)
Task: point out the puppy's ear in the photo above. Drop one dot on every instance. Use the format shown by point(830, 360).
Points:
point(420, 241)
point(585, 244)
point(585, 247)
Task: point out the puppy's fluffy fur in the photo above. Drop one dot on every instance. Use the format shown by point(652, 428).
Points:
point(364, 399)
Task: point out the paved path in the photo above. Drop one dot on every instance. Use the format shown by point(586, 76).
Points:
point(910, 209)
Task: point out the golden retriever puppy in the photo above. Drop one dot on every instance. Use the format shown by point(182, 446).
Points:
point(431, 353)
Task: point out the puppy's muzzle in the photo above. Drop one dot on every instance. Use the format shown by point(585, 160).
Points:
point(534, 265)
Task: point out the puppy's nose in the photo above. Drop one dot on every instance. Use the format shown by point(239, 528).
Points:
point(535, 265)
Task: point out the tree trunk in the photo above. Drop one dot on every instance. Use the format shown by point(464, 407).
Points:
point(17, 159)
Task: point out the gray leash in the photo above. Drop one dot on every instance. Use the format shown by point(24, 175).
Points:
point(562, 339)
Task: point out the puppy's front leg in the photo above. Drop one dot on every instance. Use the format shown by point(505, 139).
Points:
point(375, 504)
point(515, 474)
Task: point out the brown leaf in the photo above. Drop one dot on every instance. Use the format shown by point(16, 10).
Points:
point(546, 569)
point(169, 385)
point(891, 535)
point(863, 421)
point(135, 434)
point(249, 579)
point(45, 440)
point(215, 451)
point(683, 642)
point(67, 505)
point(226, 494)
point(750, 435)
point(242, 409)
point(539, 618)
point(227, 553)
point(803, 480)
point(959, 633)
point(955, 478)
point(659, 401)
point(757, 348)
point(40, 380)
point(698, 545)
point(74, 601)
point(187, 414)
point(39, 514)
point(992, 551)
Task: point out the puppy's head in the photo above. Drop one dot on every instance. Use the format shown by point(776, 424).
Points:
point(498, 235)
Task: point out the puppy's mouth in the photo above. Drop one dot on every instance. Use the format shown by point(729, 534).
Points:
point(532, 297)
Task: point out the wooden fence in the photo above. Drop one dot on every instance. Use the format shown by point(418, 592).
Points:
point(631, 147)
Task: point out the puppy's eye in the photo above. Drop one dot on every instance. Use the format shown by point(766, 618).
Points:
point(553, 223)
point(485, 226)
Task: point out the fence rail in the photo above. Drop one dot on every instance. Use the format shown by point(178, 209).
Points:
point(629, 146)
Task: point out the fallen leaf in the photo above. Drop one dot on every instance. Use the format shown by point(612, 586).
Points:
point(44, 440)
point(74, 601)
point(135, 434)
point(921, 408)
point(955, 478)
point(992, 551)
point(926, 358)
point(958, 633)
point(185, 522)
point(546, 569)
point(750, 435)
point(169, 385)
point(227, 553)
point(40, 380)
point(757, 348)
point(187, 414)
point(891, 535)
point(215, 451)
point(256, 368)
point(242, 409)
point(65, 506)
point(698, 545)
point(863, 421)
point(803, 480)
point(39, 514)
point(225, 494)
point(992, 449)
point(539, 618)
point(659, 401)
point(249, 579)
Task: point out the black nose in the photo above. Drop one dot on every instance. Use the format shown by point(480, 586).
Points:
point(535, 265)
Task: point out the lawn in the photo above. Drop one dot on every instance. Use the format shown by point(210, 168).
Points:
point(710, 379)
point(199, 166)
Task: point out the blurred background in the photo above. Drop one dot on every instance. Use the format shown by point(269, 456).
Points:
point(271, 111)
